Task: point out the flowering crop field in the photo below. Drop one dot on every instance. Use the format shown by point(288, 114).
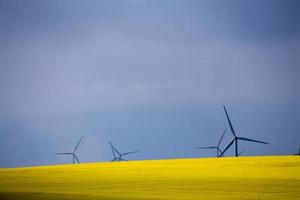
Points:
point(261, 177)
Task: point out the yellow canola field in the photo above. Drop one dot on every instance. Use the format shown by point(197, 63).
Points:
point(263, 177)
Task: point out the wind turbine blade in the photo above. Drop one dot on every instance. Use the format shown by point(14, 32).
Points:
point(222, 137)
point(207, 147)
point(112, 149)
point(251, 140)
point(220, 152)
point(229, 122)
point(123, 154)
point(77, 144)
point(63, 153)
point(241, 152)
point(76, 158)
point(229, 145)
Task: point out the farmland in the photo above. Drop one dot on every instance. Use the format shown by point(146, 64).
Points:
point(261, 177)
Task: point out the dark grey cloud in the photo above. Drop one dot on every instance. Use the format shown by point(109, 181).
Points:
point(149, 75)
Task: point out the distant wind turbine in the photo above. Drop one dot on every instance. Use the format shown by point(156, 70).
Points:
point(297, 154)
point(236, 138)
point(117, 156)
point(219, 151)
point(75, 158)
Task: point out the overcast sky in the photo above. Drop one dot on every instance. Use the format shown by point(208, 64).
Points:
point(149, 75)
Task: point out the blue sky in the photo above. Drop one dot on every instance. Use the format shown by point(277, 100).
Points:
point(148, 75)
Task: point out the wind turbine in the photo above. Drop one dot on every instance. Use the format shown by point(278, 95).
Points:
point(118, 157)
point(237, 138)
point(219, 151)
point(75, 158)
